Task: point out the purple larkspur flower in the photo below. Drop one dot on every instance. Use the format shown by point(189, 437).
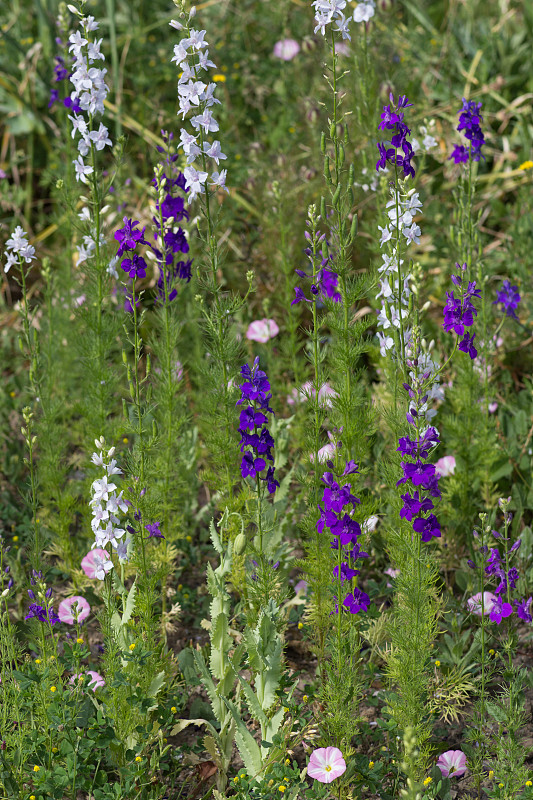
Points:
point(256, 442)
point(154, 531)
point(522, 609)
point(428, 527)
point(500, 610)
point(414, 505)
point(509, 297)
point(356, 601)
point(467, 345)
point(418, 473)
point(392, 120)
point(129, 236)
point(470, 123)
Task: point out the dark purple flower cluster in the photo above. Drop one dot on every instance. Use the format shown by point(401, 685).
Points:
point(496, 569)
point(459, 312)
point(42, 611)
point(509, 298)
point(392, 120)
point(256, 441)
point(469, 122)
point(61, 73)
point(346, 532)
point(325, 281)
point(174, 241)
point(422, 476)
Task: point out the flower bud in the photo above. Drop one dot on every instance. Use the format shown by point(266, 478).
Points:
point(239, 546)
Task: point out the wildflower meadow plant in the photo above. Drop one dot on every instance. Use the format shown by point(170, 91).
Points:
point(253, 432)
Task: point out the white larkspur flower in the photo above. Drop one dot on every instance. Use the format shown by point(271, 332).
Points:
point(194, 181)
point(219, 179)
point(82, 169)
point(364, 11)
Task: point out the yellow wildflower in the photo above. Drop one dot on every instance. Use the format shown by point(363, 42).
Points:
point(526, 165)
point(427, 781)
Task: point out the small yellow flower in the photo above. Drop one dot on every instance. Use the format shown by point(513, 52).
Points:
point(189, 538)
point(79, 641)
point(287, 762)
point(38, 661)
point(491, 774)
point(15, 538)
point(185, 596)
point(52, 658)
point(427, 781)
point(219, 78)
point(36, 768)
point(238, 156)
point(281, 788)
point(12, 394)
point(125, 440)
point(271, 783)
point(529, 783)
point(370, 764)
point(492, 652)
point(180, 587)
point(500, 786)
point(173, 709)
point(53, 688)
point(54, 749)
point(236, 65)
point(243, 776)
point(32, 797)
point(165, 741)
point(526, 165)
point(138, 758)
point(433, 42)
point(300, 626)
point(292, 129)
point(236, 779)
point(132, 647)
point(383, 747)
point(437, 663)
point(305, 698)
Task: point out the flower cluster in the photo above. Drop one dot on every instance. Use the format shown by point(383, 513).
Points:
point(18, 249)
point(392, 120)
point(262, 330)
point(324, 280)
point(192, 56)
point(328, 11)
point(171, 240)
point(422, 476)
point(346, 532)
point(400, 231)
point(253, 426)
point(41, 607)
point(469, 122)
point(90, 91)
point(509, 297)
point(308, 391)
point(459, 312)
point(61, 73)
point(106, 504)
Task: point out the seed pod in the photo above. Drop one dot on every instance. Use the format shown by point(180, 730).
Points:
point(323, 208)
point(326, 171)
point(239, 545)
point(351, 175)
point(332, 130)
point(337, 194)
point(341, 154)
point(323, 143)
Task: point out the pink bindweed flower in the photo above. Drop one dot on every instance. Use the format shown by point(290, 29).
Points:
point(453, 762)
point(326, 764)
point(95, 682)
point(286, 49)
point(72, 606)
point(96, 563)
point(445, 466)
point(474, 603)
point(262, 330)
point(493, 407)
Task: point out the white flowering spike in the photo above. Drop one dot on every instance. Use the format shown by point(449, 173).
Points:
point(18, 245)
point(106, 504)
point(195, 95)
